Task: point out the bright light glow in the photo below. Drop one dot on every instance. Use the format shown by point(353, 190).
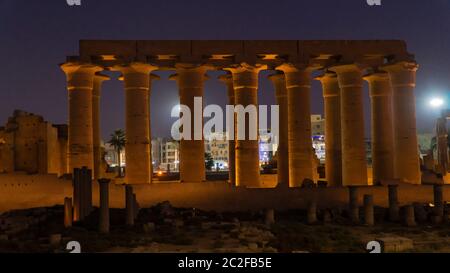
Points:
point(436, 102)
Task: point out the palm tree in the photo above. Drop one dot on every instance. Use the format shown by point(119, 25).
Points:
point(118, 142)
point(209, 161)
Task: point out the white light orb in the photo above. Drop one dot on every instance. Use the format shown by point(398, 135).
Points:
point(436, 102)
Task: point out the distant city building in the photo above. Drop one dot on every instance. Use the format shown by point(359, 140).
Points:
point(368, 143)
point(318, 142)
point(170, 155)
point(217, 146)
point(267, 146)
point(317, 125)
point(318, 136)
point(166, 156)
point(157, 152)
point(30, 144)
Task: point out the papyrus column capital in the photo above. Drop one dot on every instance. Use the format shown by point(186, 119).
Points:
point(402, 73)
point(245, 75)
point(349, 75)
point(80, 75)
point(330, 84)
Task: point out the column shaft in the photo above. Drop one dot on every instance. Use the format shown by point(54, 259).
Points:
point(104, 205)
point(192, 152)
point(332, 109)
point(300, 150)
point(96, 93)
point(354, 163)
point(137, 123)
point(279, 83)
point(406, 155)
point(80, 82)
point(245, 82)
point(382, 127)
point(68, 212)
point(228, 80)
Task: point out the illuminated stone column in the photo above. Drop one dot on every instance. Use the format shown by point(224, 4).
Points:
point(354, 163)
point(136, 77)
point(279, 83)
point(80, 83)
point(96, 93)
point(68, 212)
point(190, 80)
point(332, 109)
point(228, 80)
point(382, 127)
point(300, 150)
point(245, 81)
point(406, 154)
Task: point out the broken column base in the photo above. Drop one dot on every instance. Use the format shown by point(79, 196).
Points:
point(311, 212)
point(269, 217)
point(410, 220)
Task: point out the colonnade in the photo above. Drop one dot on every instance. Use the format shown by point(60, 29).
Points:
point(391, 89)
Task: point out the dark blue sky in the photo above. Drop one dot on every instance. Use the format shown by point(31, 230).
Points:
point(37, 35)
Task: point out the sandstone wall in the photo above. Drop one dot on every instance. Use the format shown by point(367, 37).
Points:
point(18, 191)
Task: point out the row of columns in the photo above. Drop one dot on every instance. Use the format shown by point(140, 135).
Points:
point(393, 122)
point(394, 140)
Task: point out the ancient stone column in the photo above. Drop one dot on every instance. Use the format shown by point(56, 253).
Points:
point(87, 182)
point(228, 80)
point(332, 109)
point(77, 193)
point(368, 210)
point(135, 206)
point(245, 82)
point(406, 155)
point(96, 93)
point(354, 163)
point(353, 204)
point(442, 144)
point(311, 212)
point(190, 80)
point(300, 151)
point(382, 126)
point(269, 217)
point(410, 219)
point(279, 82)
point(68, 215)
point(80, 83)
point(104, 205)
point(438, 200)
point(129, 205)
point(393, 203)
point(136, 77)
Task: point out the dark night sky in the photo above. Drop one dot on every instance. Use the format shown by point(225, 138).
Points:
point(37, 35)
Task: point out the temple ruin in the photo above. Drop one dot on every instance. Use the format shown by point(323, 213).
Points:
point(384, 64)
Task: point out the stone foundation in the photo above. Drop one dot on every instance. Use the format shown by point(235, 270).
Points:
point(20, 191)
